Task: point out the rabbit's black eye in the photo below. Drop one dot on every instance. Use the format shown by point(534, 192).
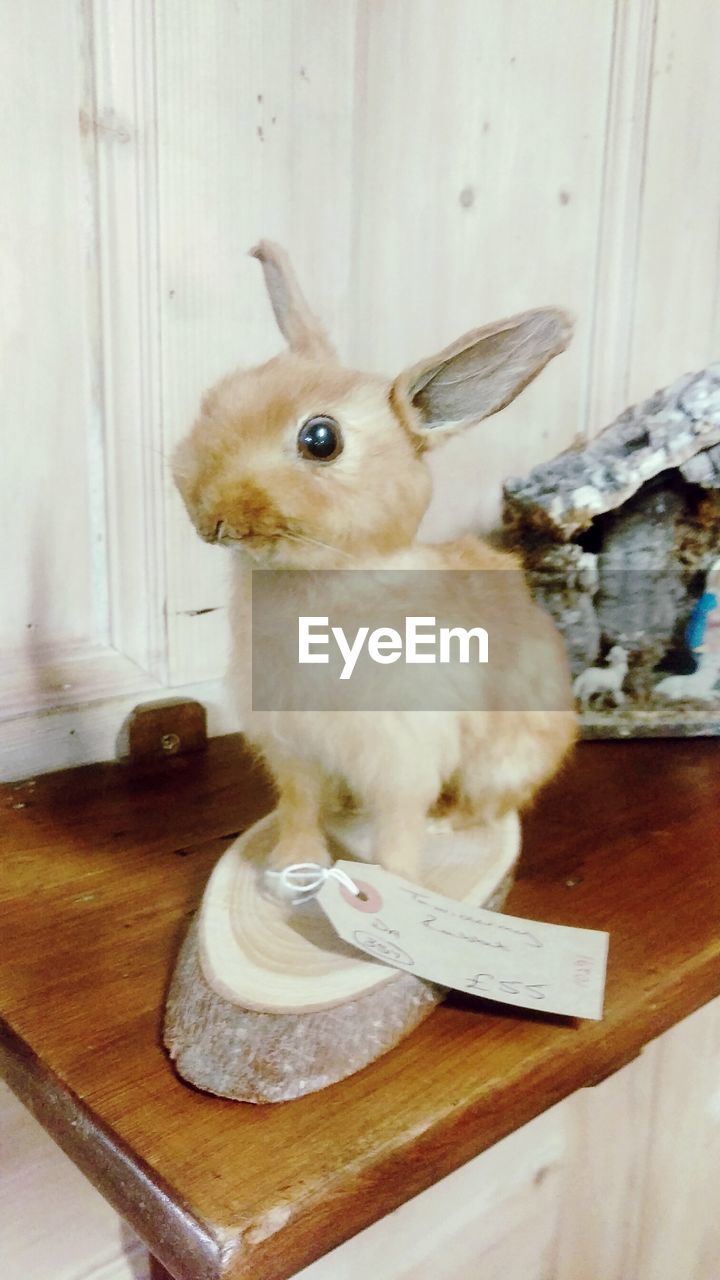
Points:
point(319, 438)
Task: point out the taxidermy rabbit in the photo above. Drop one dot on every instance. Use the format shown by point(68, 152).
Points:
point(303, 464)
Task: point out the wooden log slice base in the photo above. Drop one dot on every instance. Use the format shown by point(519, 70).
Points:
point(266, 1004)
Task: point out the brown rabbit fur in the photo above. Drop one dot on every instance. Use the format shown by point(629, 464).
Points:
point(246, 484)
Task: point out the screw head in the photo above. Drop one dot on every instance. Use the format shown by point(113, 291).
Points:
point(170, 743)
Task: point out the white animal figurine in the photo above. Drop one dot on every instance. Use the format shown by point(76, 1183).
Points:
point(698, 686)
point(607, 681)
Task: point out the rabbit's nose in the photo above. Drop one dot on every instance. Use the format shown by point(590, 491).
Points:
point(226, 533)
point(213, 534)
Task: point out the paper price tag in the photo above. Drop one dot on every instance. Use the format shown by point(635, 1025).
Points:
point(521, 962)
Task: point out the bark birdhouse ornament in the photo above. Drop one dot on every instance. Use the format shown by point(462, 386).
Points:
point(621, 540)
point(316, 475)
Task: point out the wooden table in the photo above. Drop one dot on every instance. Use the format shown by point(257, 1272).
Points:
point(102, 868)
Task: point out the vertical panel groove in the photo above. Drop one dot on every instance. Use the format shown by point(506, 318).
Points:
point(675, 260)
point(620, 211)
point(643, 161)
point(90, 230)
point(125, 125)
point(156, 467)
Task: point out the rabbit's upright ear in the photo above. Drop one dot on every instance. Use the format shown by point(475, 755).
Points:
point(301, 329)
point(479, 374)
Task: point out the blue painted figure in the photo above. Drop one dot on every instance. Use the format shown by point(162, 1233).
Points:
point(702, 635)
point(705, 616)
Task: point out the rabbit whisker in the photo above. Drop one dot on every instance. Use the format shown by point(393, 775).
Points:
point(314, 542)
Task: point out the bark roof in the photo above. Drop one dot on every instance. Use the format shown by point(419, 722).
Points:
point(678, 427)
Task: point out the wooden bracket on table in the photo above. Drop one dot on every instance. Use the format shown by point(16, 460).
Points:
point(156, 730)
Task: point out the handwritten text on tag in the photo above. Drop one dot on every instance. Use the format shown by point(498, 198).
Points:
point(520, 962)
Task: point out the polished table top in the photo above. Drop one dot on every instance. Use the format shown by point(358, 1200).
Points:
point(100, 871)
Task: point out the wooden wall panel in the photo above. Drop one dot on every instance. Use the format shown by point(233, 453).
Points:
point(607, 1132)
point(476, 195)
point(496, 1217)
point(50, 536)
point(78, 605)
point(641, 1170)
point(676, 324)
point(680, 1207)
point(413, 165)
point(122, 121)
point(255, 118)
point(620, 211)
point(428, 166)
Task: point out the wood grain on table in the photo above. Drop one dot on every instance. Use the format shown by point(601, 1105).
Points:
point(100, 871)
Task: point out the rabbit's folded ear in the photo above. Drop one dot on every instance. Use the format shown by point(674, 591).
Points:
point(301, 329)
point(479, 374)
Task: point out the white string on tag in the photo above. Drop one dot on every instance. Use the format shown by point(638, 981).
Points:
point(301, 881)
